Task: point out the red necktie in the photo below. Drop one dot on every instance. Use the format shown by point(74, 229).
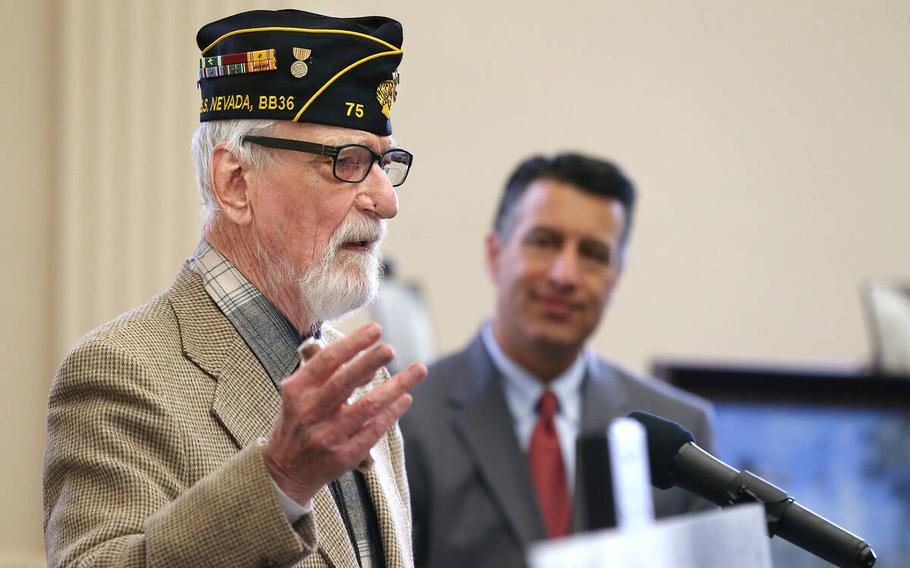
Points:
point(547, 469)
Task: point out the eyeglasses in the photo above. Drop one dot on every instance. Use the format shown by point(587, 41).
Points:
point(350, 163)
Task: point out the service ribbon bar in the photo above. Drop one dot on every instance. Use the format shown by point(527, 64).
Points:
point(237, 63)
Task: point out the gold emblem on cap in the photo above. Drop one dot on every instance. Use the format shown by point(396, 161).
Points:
point(299, 68)
point(386, 93)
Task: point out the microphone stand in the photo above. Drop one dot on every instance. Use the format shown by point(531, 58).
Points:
point(801, 524)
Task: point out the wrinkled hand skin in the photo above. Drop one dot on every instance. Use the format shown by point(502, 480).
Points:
point(318, 436)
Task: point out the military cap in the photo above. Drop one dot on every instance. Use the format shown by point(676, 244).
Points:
point(300, 66)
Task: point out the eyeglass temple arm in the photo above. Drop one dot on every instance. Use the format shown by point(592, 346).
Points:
point(297, 145)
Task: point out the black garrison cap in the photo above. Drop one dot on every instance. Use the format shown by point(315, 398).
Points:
point(300, 66)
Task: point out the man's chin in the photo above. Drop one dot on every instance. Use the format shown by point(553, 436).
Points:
point(556, 336)
point(346, 289)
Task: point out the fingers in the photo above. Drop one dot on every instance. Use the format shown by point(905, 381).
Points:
point(329, 359)
point(383, 400)
point(358, 372)
point(346, 428)
point(382, 408)
point(367, 437)
point(317, 437)
point(334, 363)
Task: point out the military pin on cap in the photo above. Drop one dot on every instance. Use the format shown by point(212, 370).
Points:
point(299, 68)
point(386, 93)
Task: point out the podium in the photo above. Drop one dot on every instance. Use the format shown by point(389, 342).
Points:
point(712, 539)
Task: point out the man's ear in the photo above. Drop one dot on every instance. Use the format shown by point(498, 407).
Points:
point(494, 250)
point(229, 185)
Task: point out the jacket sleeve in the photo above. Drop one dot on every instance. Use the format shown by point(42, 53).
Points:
point(115, 484)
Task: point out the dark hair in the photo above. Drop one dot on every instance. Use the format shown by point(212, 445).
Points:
point(590, 175)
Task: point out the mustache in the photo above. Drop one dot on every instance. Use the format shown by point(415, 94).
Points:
point(358, 229)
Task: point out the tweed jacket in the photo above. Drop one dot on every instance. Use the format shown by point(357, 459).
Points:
point(152, 456)
point(472, 494)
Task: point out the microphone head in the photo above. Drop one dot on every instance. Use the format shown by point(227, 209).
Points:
point(665, 439)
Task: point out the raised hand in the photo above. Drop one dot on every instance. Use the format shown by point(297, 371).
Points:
point(319, 436)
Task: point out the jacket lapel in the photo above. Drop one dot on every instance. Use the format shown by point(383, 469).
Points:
point(390, 512)
point(482, 420)
point(603, 400)
point(246, 401)
point(334, 542)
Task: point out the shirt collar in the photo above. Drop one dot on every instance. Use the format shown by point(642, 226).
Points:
point(522, 389)
point(268, 334)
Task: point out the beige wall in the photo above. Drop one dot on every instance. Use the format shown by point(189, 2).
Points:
point(28, 298)
point(769, 141)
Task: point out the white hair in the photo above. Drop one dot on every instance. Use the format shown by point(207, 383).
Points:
point(327, 289)
point(210, 134)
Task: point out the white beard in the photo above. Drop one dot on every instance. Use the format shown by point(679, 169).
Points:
point(343, 281)
point(340, 281)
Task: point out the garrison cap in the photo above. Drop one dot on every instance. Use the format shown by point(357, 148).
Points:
point(300, 66)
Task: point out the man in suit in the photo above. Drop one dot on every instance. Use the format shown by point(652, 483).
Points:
point(187, 432)
point(490, 437)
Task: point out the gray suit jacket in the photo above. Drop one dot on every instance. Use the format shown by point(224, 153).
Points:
point(472, 496)
point(152, 460)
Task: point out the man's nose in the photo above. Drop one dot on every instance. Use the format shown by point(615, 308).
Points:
point(564, 271)
point(377, 194)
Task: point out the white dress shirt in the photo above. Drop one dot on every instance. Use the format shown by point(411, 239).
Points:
point(522, 391)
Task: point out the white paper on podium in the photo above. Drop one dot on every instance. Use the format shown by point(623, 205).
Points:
point(734, 537)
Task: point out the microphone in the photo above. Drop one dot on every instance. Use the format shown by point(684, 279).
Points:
point(677, 461)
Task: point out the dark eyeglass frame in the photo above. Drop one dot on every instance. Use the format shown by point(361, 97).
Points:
point(331, 152)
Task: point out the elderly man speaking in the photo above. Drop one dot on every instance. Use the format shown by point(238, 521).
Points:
point(187, 432)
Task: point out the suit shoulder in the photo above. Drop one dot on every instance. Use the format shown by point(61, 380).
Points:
point(140, 330)
point(147, 335)
point(647, 387)
point(431, 398)
point(440, 375)
point(452, 363)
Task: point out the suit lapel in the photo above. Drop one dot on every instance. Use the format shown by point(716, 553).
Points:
point(334, 542)
point(483, 422)
point(246, 401)
point(390, 511)
point(379, 481)
point(603, 399)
